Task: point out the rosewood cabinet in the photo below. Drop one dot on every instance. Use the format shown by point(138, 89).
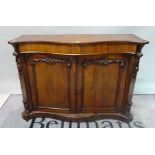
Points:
point(77, 77)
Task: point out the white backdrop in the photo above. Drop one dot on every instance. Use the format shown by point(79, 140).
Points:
point(9, 82)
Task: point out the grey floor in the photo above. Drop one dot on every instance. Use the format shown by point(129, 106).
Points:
point(143, 110)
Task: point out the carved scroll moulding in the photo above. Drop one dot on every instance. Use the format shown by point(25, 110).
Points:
point(52, 60)
point(103, 61)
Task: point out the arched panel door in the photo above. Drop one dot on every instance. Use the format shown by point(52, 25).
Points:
point(103, 83)
point(50, 82)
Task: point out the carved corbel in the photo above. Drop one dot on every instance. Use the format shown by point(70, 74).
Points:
point(18, 59)
point(135, 70)
point(139, 54)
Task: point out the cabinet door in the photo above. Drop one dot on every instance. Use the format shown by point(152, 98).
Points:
point(103, 83)
point(50, 78)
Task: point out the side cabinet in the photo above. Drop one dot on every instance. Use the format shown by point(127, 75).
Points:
point(78, 77)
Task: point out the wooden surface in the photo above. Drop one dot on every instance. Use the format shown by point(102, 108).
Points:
point(76, 82)
point(80, 39)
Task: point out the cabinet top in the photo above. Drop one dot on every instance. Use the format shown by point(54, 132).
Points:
point(79, 39)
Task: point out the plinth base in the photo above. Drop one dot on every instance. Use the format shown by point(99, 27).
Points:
point(79, 117)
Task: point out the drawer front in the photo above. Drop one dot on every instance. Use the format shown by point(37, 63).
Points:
point(50, 82)
point(77, 48)
point(103, 83)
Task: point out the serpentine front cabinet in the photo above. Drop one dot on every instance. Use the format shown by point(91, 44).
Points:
point(77, 77)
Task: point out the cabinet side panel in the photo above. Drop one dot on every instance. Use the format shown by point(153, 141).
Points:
point(21, 67)
point(24, 82)
point(132, 73)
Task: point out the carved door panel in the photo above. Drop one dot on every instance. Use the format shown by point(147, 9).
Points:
point(50, 78)
point(103, 83)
